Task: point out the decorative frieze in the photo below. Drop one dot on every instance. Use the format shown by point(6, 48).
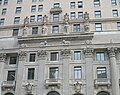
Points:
point(22, 55)
point(65, 52)
point(2, 57)
point(112, 51)
point(88, 52)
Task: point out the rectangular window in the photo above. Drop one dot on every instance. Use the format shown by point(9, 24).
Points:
point(16, 20)
point(33, 8)
point(97, 14)
point(18, 10)
point(100, 56)
point(72, 15)
point(11, 76)
point(115, 13)
point(54, 56)
point(5, 2)
point(80, 14)
point(56, 5)
point(101, 72)
point(39, 18)
point(56, 17)
point(34, 0)
point(32, 57)
point(34, 30)
point(2, 20)
point(31, 73)
point(77, 55)
point(19, 1)
point(13, 60)
point(0, 2)
point(40, 7)
point(77, 72)
point(72, 5)
point(76, 28)
point(32, 18)
point(53, 73)
point(55, 29)
point(118, 25)
point(96, 3)
point(98, 27)
point(4, 11)
point(15, 32)
point(80, 4)
point(113, 2)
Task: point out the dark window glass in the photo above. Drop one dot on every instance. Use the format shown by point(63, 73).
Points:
point(54, 56)
point(13, 60)
point(32, 57)
point(101, 72)
point(54, 72)
point(11, 76)
point(31, 73)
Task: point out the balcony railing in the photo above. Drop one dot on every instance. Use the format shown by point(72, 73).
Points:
point(53, 82)
point(56, 10)
point(102, 82)
point(8, 85)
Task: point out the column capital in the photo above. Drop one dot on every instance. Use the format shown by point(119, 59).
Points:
point(88, 52)
point(65, 52)
point(22, 55)
point(112, 51)
point(2, 57)
point(42, 54)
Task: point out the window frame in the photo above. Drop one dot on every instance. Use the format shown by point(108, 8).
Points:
point(98, 27)
point(55, 29)
point(118, 25)
point(98, 14)
point(18, 10)
point(77, 56)
point(77, 72)
point(2, 21)
point(4, 10)
point(31, 74)
point(32, 57)
point(11, 77)
point(33, 8)
point(72, 5)
point(96, 3)
point(100, 70)
point(54, 56)
point(76, 28)
point(34, 30)
point(32, 18)
point(56, 72)
point(16, 20)
point(80, 4)
point(115, 13)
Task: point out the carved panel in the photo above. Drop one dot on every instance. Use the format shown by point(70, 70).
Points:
point(22, 55)
point(2, 57)
point(65, 52)
point(41, 54)
point(88, 52)
point(112, 51)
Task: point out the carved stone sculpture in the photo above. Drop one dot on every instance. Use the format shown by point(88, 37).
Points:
point(66, 18)
point(44, 19)
point(66, 42)
point(2, 57)
point(86, 22)
point(29, 88)
point(77, 87)
point(42, 53)
point(65, 52)
point(26, 21)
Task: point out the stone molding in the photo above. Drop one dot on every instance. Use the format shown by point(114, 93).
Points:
point(2, 57)
point(112, 51)
point(22, 55)
point(88, 52)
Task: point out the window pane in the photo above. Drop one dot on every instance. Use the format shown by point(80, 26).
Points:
point(101, 72)
point(31, 73)
point(2, 21)
point(77, 72)
point(11, 76)
point(96, 3)
point(80, 4)
point(54, 56)
point(100, 56)
point(115, 13)
point(77, 55)
point(72, 15)
point(55, 29)
point(35, 30)
point(55, 17)
point(76, 28)
point(118, 25)
point(40, 7)
point(13, 60)
point(56, 5)
point(39, 18)
point(98, 26)
point(72, 4)
point(32, 57)
point(54, 72)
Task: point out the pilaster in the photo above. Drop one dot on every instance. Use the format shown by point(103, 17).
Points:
point(20, 72)
point(114, 70)
point(89, 71)
point(65, 54)
point(2, 62)
point(42, 55)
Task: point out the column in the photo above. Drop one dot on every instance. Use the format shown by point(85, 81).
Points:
point(114, 71)
point(19, 74)
point(41, 71)
point(2, 62)
point(89, 71)
point(65, 54)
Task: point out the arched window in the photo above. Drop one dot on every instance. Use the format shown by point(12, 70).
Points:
point(9, 94)
point(103, 93)
point(53, 93)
